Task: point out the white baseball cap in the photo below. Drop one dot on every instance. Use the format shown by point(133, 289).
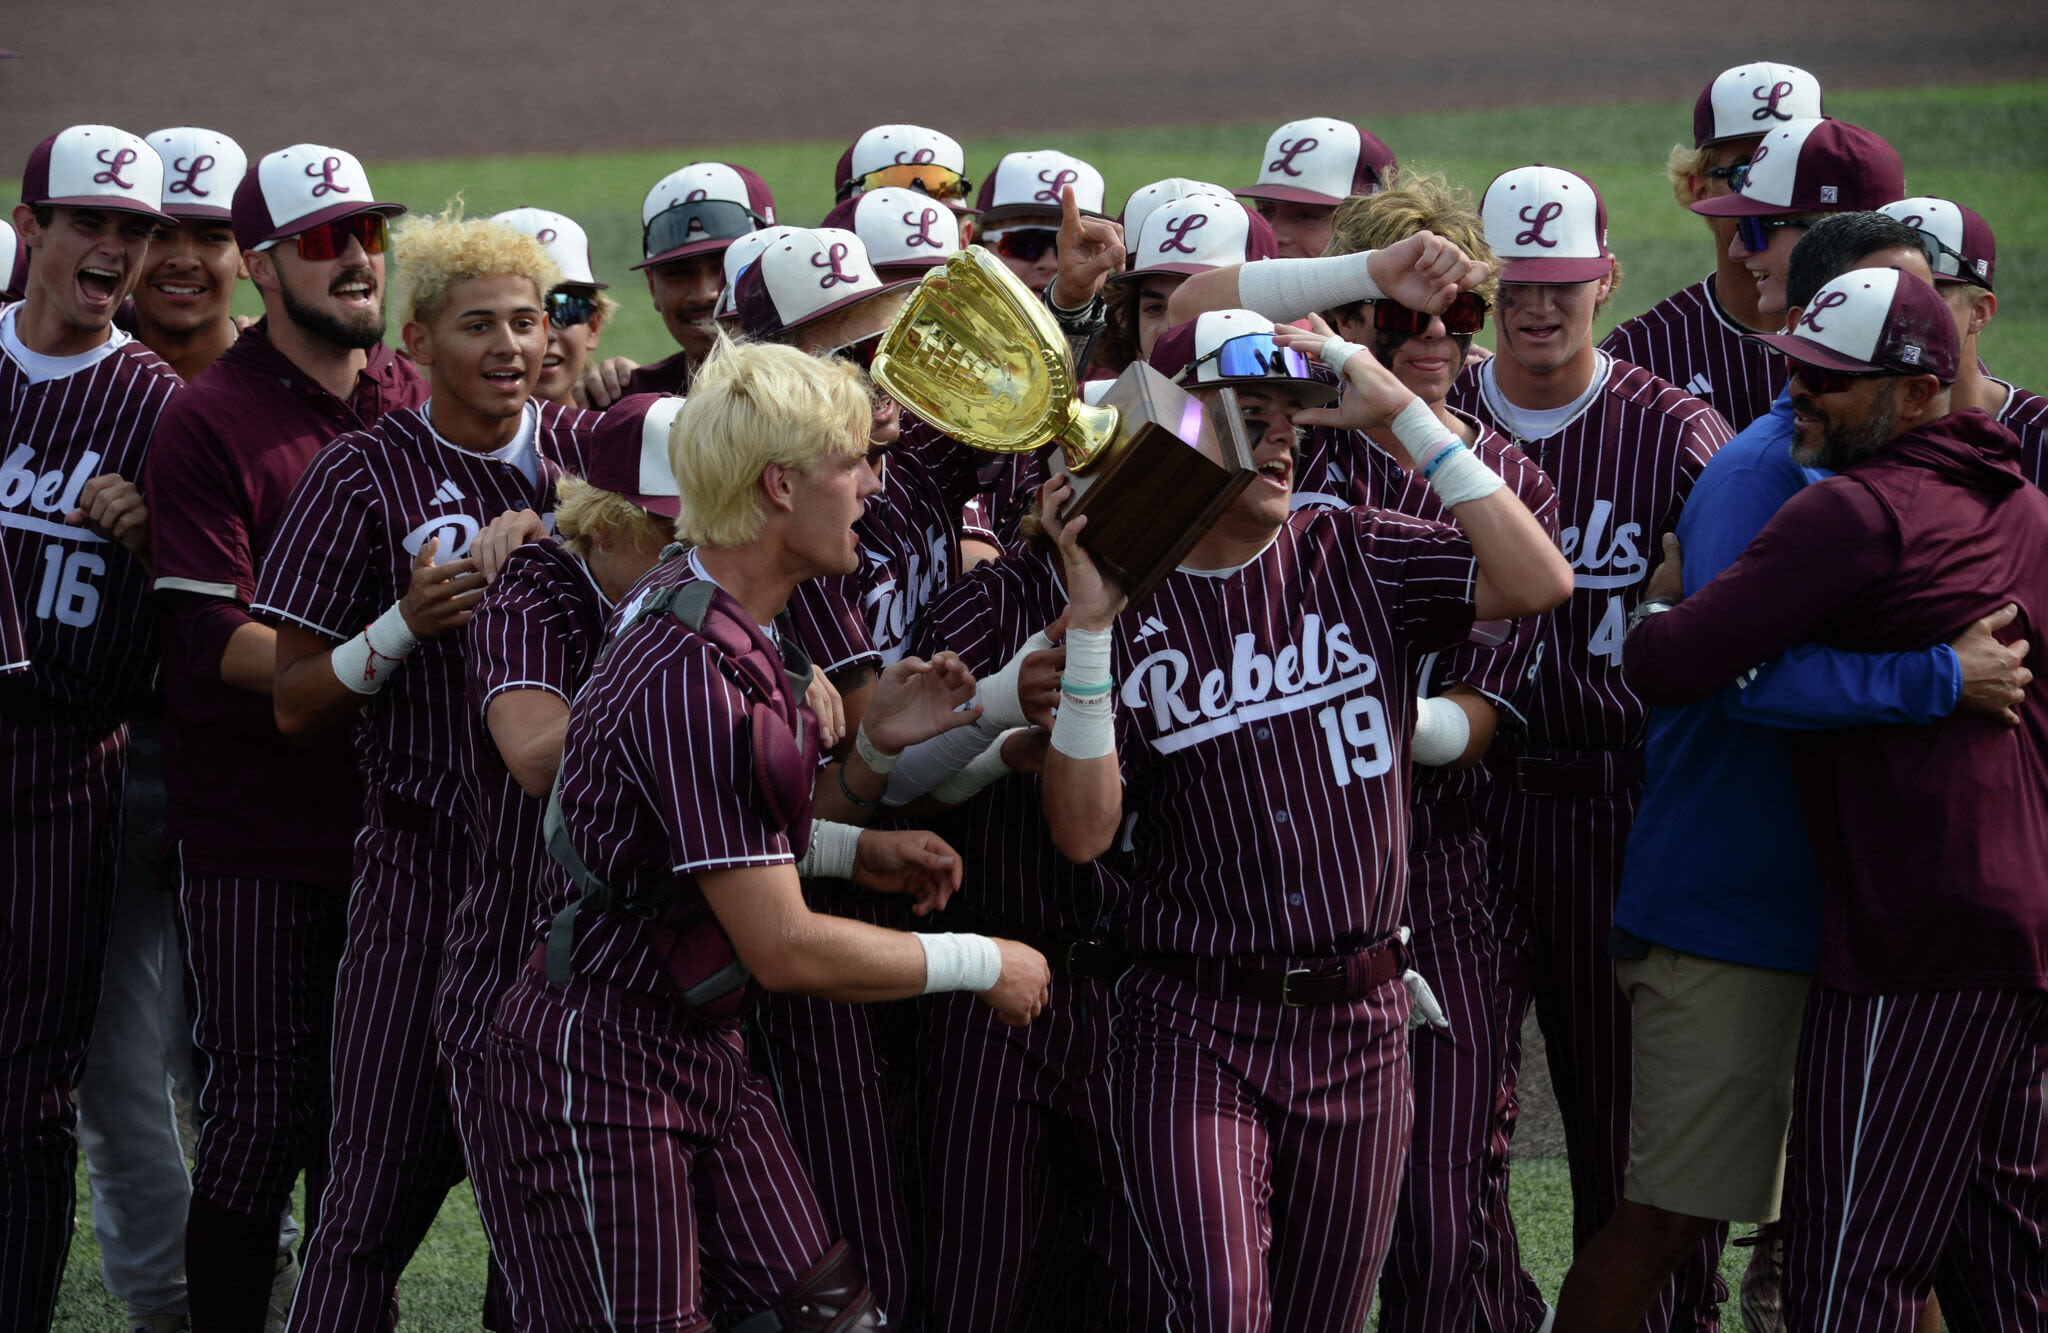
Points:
point(902, 229)
point(1028, 185)
point(201, 170)
point(95, 166)
point(703, 207)
point(802, 277)
point(1753, 99)
point(1881, 321)
point(295, 189)
point(1812, 165)
point(895, 151)
point(1196, 234)
point(1321, 162)
point(738, 255)
point(1194, 353)
point(1547, 224)
point(1964, 248)
point(1148, 197)
point(564, 241)
point(628, 452)
point(13, 263)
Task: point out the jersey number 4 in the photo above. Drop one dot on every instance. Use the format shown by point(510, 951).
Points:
point(66, 594)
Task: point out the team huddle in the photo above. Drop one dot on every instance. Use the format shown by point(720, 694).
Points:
point(747, 834)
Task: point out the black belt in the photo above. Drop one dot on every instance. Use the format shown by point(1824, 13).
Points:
point(1293, 983)
point(1077, 957)
point(402, 814)
point(1577, 772)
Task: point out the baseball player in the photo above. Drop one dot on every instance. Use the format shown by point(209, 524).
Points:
point(1259, 1047)
point(1021, 210)
point(687, 221)
point(78, 400)
point(1118, 346)
point(387, 528)
point(127, 1120)
point(263, 826)
point(1929, 525)
point(1696, 338)
point(578, 307)
point(1309, 167)
point(1964, 256)
point(531, 643)
point(659, 1187)
point(908, 157)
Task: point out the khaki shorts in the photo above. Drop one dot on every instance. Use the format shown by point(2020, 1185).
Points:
point(1715, 1047)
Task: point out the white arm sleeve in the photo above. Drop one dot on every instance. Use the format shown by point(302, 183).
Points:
point(1284, 289)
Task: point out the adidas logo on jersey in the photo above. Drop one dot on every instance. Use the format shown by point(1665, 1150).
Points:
point(1152, 625)
point(1699, 386)
point(448, 493)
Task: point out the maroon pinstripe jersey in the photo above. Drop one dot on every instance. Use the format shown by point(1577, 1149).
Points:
point(1622, 469)
point(344, 551)
point(13, 649)
point(244, 801)
point(1687, 339)
point(78, 598)
point(657, 783)
point(909, 554)
point(2025, 414)
point(1015, 873)
point(539, 627)
point(669, 375)
point(1263, 734)
point(1343, 468)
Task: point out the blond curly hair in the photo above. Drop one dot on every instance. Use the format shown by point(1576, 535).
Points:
point(431, 254)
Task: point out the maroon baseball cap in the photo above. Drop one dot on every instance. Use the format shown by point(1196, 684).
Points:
point(1753, 99)
point(803, 277)
point(1199, 353)
point(1963, 248)
point(629, 456)
point(95, 166)
point(1813, 165)
point(298, 188)
point(1874, 321)
point(1321, 162)
point(1547, 224)
point(701, 209)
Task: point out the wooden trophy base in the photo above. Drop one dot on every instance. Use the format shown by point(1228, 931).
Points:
point(1172, 469)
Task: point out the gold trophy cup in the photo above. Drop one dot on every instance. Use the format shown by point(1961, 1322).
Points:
point(977, 355)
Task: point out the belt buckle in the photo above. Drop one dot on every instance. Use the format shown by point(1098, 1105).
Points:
point(1074, 948)
point(1287, 999)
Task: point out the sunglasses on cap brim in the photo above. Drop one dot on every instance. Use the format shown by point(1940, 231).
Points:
point(939, 182)
point(1821, 381)
point(1948, 263)
point(1756, 232)
point(330, 240)
point(1253, 356)
point(1464, 317)
point(696, 220)
point(1026, 245)
point(567, 308)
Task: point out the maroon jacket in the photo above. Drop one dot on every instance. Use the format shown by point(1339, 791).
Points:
point(1932, 841)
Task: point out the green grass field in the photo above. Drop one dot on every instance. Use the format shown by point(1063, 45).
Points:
point(1986, 146)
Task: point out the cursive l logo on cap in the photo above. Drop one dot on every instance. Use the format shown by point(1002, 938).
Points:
point(114, 160)
point(1177, 230)
point(546, 236)
point(189, 171)
point(1770, 97)
point(1054, 182)
point(916, 159)
point(325, 170)
point(1289, 150)
point(924, 222)
point(830, 260)
point(1545, 215)
point(1825, 301)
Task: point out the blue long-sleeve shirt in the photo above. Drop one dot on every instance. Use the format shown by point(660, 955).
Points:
point(1718, 861)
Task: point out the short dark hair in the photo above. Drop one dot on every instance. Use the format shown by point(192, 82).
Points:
point(1835, 243)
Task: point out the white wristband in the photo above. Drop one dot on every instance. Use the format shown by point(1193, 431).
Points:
point(1460, 477)
point(1284, 289)
point(1441, 732)
point(1087, 659)
point(365, 662)
point(983, 769)
point(1086, 728)
point(1336, 352)
point(832, 852)
point(998, 693)
point(960, 962)
point(875, 759)
point(1423, 434)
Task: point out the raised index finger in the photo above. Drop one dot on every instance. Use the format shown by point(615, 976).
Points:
point(1070, 218)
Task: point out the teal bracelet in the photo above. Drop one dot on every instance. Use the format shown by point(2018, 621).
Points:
point(1085, 691)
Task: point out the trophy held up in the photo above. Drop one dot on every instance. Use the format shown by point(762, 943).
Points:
point(975, 353)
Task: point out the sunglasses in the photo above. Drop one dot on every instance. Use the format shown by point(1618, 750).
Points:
point(697, 220)
point(926, 177)
point(1251, 356)
point(1027, 245)
point(566, 308)
point(1821, 381)
point(1730, 173)
point(1465, 316)
point(330, 240)
point(1957, 267)
point(1756, 232)
point(860, 352)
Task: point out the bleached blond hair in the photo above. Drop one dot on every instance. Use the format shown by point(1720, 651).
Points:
point(433, 254)
point(752, 405)
point(1419, 203)
point(588, 516)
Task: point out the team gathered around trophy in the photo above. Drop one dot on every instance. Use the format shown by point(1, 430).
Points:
point(1029, 774)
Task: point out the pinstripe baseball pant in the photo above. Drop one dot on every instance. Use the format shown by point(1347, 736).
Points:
point(1919, 1158)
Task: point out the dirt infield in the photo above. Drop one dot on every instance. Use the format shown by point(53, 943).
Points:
point(459, 77)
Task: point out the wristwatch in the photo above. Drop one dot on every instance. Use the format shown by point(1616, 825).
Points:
point(1645, 609)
